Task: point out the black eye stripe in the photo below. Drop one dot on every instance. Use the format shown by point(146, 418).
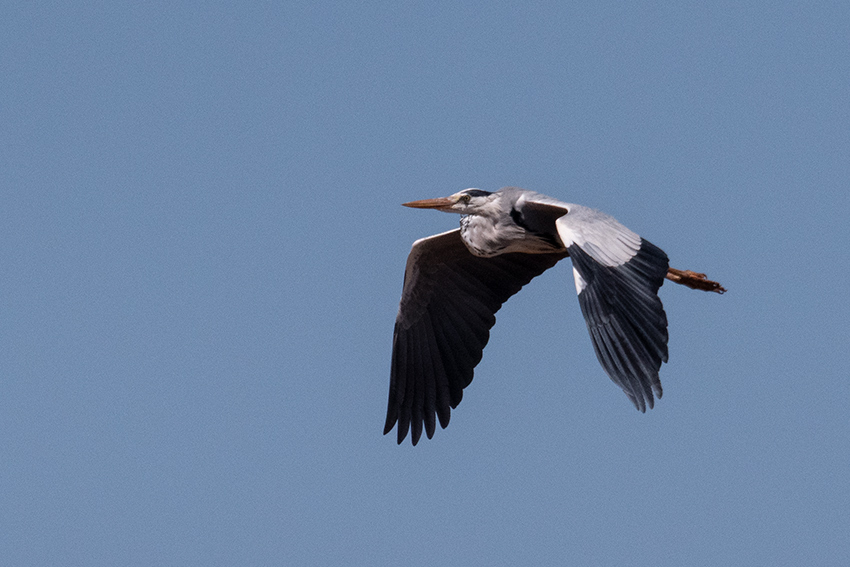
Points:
point(477, 193)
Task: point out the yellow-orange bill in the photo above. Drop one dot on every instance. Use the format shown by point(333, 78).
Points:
point(430, 203)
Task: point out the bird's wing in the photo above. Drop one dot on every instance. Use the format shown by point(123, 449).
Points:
point(448, 306)
point(617, 275)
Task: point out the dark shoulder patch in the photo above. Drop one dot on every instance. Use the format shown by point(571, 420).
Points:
point(546, 237)
point(516, 216)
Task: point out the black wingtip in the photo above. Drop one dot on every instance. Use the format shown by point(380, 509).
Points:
point(626, 320)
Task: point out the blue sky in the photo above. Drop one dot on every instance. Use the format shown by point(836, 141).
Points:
point(203, 250)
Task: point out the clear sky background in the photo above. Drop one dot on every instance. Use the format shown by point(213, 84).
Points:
point(203, 246)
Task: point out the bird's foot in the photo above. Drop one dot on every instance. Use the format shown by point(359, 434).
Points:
point(694, 280)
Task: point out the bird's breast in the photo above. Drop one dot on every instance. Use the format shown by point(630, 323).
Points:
point(486, 238)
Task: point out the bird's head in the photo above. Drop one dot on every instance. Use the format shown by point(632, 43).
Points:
point(466, 202)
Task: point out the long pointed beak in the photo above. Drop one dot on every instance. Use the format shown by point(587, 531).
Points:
point(440, 203)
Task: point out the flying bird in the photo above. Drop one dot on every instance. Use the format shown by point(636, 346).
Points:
point(455, 282)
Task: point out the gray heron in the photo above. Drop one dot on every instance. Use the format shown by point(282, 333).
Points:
point(455, 282)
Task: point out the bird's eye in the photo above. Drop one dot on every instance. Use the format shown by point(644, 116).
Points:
point(465, 199)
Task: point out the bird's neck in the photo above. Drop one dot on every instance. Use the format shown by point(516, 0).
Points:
point(485, 236)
